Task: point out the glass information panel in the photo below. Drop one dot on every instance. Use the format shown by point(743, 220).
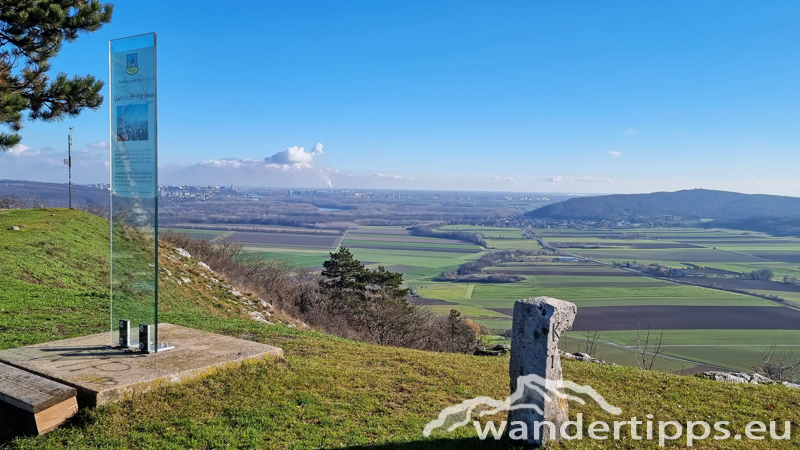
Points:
point(134, 189)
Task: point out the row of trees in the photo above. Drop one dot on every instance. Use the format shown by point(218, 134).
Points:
point(452, 275)
point(468, 270)
point(764, 274)
point(475, 238)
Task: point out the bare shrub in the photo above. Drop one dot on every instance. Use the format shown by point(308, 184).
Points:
point(645, 351)
point(16, 202)
point(777, 367)
point(269, 279)
point(356, 303)
point(96, 210)
point(590, 343)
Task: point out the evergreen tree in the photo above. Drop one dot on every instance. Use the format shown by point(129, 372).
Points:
point(343, 272)
point(31, 33)
point(382, 279)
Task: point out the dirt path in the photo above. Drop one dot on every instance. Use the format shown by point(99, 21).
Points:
point(468, 294)
point(344, 235)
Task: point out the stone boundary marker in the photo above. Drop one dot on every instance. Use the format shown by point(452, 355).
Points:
point(47, 404)
point(536, 328)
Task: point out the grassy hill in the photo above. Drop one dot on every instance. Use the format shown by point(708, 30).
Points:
point(329, 392)
point(687, 204)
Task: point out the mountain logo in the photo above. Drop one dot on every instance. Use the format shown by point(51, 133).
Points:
point(460, 415)
point(132, 66)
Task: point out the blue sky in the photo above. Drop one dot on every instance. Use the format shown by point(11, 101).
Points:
point(517, 96)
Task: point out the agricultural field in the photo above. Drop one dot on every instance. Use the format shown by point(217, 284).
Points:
point(733, 251)
point(301, 247)
point(198, 234)
point(719, 348)
point(489, 232)
point(705, 327)
point(285, 240)
point(420, 259)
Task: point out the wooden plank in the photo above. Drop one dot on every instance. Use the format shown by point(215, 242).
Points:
point(50, 419)
point(31, 392)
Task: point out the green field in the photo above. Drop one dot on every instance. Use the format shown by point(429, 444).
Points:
point(200, 234)
point(421, 260)
point(594, 285)
point(732, 349)
point(489, 232)
point(355, 242)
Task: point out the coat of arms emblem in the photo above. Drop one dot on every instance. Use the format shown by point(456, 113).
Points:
point(132, 65)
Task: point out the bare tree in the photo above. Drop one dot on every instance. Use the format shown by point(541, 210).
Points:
point(777, 367)
point(590, 344)
point(96, 210)
point(645, 352)
point(15, 202)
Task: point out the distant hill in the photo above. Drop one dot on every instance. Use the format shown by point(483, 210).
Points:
point(53, 194)
point(687, 204)
point(776, 226)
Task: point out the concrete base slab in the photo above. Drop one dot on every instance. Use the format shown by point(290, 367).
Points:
point(104, 374)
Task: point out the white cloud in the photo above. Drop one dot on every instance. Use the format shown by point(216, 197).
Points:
point(293, 166)
point(387, 176)
point(553, 179)
point(594, 180)
point(231, 163)
point(502, 178)
point(631, 132)
point(98, 144)
point(614, 154)
point(22, 150)
point(294, 158)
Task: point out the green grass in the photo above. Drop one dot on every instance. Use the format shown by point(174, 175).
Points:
point(299, 258)
point(52, 248)
point(733, 349)
point(430, 259)
point(349, 242)
point(648, 295)
point(329, 392)
point(489, 232)
point(577, 343)
point(442, 291)
point(513, 244)
point(467, 311)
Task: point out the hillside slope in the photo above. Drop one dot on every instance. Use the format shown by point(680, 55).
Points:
point(329, 393)
point(57, 267)
point(687, 204)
